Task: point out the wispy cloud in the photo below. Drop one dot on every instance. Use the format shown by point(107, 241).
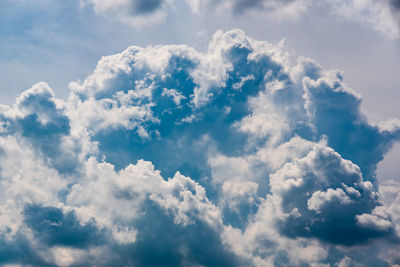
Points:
point(134, 12)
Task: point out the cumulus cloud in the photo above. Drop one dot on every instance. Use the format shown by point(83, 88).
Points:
point(169, 156)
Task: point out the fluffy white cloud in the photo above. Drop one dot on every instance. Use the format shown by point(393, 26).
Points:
point(320, 198)
point(168, 156)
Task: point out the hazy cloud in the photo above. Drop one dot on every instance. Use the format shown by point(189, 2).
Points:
point(381, 16)
point(133, 12)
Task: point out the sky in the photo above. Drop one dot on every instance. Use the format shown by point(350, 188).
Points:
point(199, 133)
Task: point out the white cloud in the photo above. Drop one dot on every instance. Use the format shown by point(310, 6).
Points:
point(378, 15)
point(319, 198)
point(374, 222)
point(276, 164)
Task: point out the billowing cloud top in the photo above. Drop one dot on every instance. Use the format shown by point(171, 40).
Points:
point(165, 156)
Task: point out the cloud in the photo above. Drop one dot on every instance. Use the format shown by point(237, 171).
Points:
point(169, 156)
point(381, 16)
point(52, 227)
point(311, 189)
point(134, 12)
point(274, 8)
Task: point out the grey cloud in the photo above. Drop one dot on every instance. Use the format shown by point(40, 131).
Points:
point(395, 4)
point(161, 242)
point(19, 251)
point(373, 14)
point(146, 6)
point(242, 6)
point(239, 6)
point(133, 12)
point(53, 228)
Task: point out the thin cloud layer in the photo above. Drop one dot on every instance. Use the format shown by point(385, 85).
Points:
point(134, 12)
point(381, 16)
point(274, 8)
point(166, 156)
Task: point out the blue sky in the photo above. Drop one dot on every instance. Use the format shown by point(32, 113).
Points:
point(199, 133)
